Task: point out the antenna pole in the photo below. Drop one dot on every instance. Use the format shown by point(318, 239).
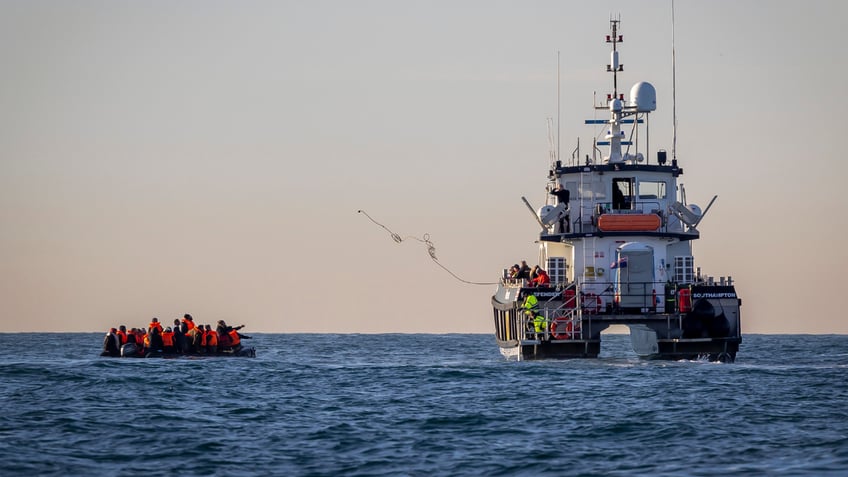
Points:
point(673, 90)
point(615, 103)
point(615, 67)
point(558, 108)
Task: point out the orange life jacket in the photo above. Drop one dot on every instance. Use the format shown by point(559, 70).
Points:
point(168, 338)
point(147, 341)
point(212, 338)
point(202, 337)
point(234, 338)
point(189, 324)
point(155, 324)
point(123, 337)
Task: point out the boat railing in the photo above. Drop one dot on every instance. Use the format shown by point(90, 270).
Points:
point(637, 207)
point(564, 315)
point(513, 282)
point(551, 324)
point(554, 319)
point(630, 218)
point(593, 297)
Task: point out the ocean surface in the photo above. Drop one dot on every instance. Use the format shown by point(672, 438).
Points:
point(421, 405)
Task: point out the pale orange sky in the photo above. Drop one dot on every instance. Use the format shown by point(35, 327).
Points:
point(158, 158)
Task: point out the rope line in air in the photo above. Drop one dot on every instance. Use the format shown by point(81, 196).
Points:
point(431, 249)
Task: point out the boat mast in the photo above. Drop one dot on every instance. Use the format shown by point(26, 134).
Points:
point(673, 90)
point(614, 67)
point(558, 110)
point(615, 102)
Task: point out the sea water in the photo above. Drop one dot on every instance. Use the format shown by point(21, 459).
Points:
point(391, 404)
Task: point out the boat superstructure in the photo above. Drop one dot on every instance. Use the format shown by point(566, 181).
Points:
point(616, 241)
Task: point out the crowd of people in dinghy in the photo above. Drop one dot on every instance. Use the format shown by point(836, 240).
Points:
point(185, 337)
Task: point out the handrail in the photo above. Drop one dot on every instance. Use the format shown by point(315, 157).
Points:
point(513, 282)
point(548, 316)
point(638, 206)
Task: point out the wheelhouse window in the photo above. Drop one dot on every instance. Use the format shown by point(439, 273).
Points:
point(652, 190)
point(591, 190)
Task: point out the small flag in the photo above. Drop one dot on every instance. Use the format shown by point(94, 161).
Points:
point(620, 263)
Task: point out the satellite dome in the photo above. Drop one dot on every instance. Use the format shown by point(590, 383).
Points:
point(644, 97)
point(616, 105)
point(544, 210)
point(694, 209)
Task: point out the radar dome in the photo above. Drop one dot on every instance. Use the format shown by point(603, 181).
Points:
point(544, 210)
point(644, 97)
point(616, 105)
point(694, 209)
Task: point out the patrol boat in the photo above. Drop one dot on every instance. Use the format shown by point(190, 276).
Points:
point(616, 241)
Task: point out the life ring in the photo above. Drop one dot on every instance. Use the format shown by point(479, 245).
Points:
point(562, 328)
point(591, 303)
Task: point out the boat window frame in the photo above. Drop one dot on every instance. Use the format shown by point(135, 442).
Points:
point(628, 200)
point(662, 186)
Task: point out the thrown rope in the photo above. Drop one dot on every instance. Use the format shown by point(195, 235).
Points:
point(431, 249)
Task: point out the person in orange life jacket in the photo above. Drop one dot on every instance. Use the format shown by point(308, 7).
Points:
point(155, 342)
point(236, 337)
point(111, 343)
point(140, 335)
point(228, 336)
point(223, 329)
point(235, 340)
point(193, 337)
point(141, 338)
point(223, 337)
point(211, 340)
point(122, 333)
point(179, 337)
point(201, 339)
point(542, 278)
point(155, 324)
point(168, 341)
point(189, 322)
point(131, 339)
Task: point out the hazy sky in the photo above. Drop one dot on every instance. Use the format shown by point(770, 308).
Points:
point(209, 157)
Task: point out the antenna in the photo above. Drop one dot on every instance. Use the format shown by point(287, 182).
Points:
point(614, 67)
point(558, 108)
point(673, 90)
point(552, 153)
point(615, 102)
